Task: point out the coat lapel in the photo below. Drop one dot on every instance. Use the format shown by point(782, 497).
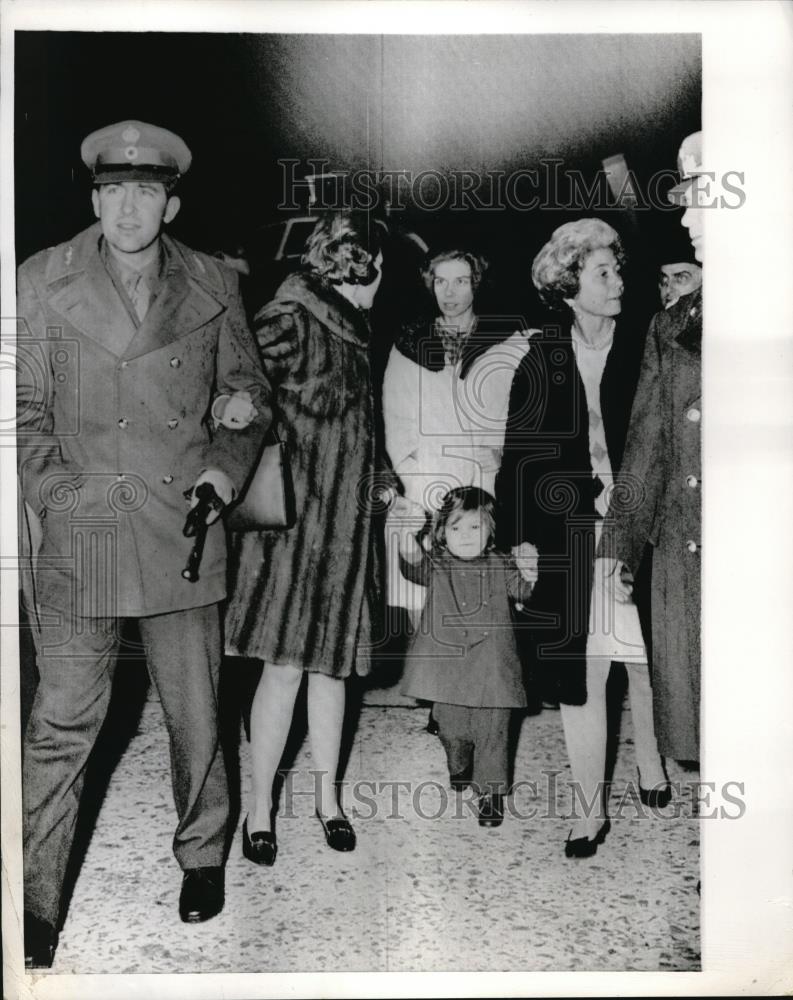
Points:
point(181, 306)
point(690, 336)
point(91, 304)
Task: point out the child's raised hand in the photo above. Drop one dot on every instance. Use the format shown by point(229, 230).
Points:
point(526, 559)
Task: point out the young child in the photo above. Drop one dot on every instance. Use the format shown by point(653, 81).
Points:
point(464, 657)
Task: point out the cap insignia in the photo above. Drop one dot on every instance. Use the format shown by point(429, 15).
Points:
point(130, 134)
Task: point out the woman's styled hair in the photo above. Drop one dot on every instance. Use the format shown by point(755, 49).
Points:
point(556, 268)
point(459, 500)
point(477, 264)
point(343, 248)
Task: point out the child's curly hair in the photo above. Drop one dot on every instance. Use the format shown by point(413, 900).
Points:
point(343, 247)
point(459, 500)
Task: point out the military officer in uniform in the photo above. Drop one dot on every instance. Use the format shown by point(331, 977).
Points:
point(127, 338)
point(658, 495)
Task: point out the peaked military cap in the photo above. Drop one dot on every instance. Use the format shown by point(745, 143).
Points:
point(689, 166)
point(135, 151)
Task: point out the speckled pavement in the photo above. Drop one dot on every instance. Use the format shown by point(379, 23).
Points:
point(426, 889)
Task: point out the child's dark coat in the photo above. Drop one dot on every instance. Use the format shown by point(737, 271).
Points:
point(464, 652)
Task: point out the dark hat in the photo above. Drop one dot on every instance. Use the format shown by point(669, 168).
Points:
point(671, 243)
point(689, 165)
point(135, 151)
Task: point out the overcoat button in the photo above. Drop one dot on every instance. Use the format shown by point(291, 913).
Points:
point(123, 423)
point(173, 423)
point(692, 481)
point(693, 415)
point(125, 364)
point(167, 480)
point(691, 545)
point(175, 362)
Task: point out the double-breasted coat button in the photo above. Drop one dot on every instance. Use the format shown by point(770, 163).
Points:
point(167, 480)
point(693, 415)
point(691, 545)
point(175, 362)
point(173, 422)
point(124, 364)
point(692, 481)
point(123, 423)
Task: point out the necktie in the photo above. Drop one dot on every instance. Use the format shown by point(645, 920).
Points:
point(138, 291)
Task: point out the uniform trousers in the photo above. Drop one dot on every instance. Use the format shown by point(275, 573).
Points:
point(76, 665)
point(476, 740)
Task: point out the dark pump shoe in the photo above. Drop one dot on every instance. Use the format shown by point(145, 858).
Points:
point(583, 847)
point(339, 833)
point(260, 847)
point(432, 726)
point(656, 798)
point(491, 810)
point(41, 940)
point(203, 894)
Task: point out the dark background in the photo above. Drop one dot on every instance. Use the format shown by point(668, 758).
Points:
point(370, 102)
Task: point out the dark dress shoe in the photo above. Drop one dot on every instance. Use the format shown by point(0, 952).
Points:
point(432, 726)
point(260, 847)
point(491, 810)
point(202, 895)
point(41, 940)
point(339, 833)
point(583, 847)
point(656, 798)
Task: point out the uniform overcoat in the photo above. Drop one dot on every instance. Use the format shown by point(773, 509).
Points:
point(308, 596)
point(464, 652)
point(114, 424)
point(661, 503)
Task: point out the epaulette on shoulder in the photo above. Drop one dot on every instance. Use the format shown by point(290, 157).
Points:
point(208, 270)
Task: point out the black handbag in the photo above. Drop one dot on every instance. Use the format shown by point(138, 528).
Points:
point(267, 501)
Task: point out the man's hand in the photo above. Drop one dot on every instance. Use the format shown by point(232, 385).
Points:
point(526, 557)
point(223, 486)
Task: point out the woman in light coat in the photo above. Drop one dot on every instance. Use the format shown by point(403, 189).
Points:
point(445, 398)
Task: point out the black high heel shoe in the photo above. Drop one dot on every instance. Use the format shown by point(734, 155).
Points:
point(655, 798)
point(583, 847)
point(260, 847)
point(339, 834)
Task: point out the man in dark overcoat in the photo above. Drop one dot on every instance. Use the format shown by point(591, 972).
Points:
point(126, 340)
point(658, 495)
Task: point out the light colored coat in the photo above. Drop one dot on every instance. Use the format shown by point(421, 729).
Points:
point(443, 431)
point(660, 502)
point(113, 425)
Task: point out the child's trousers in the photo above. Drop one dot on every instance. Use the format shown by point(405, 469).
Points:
point(476, 739)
